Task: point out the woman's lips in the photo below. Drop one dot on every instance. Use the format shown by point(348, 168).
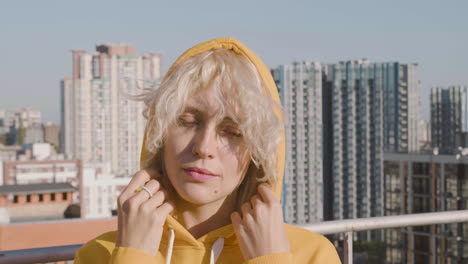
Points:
point(199, 174)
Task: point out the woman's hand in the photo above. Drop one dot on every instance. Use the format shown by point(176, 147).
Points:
point(141, 218)
point(260, 229)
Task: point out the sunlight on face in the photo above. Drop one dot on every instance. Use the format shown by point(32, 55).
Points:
point(205, 157)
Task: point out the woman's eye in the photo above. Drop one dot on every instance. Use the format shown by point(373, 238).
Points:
point(233, 132)
point(187, 121)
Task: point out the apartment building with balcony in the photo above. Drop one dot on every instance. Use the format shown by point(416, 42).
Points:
point(340, 119)
point(401, 107)
point(420, 183)
point(300, 89)
point(355, 137)
point(371, 108)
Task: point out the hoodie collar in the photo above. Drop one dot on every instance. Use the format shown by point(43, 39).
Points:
point(183, 238)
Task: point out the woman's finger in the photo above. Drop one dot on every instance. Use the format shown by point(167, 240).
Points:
point(165, 209)
point(142, 195)
point(153, 173)
point(267, 194)
point(236, 220)
point(157, 200)
point(246, 210)
point(255, 200)
point(139, 179)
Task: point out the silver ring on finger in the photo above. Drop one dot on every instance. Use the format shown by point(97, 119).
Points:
point(144, 188)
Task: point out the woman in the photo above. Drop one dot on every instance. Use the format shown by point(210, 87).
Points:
point(212, 159)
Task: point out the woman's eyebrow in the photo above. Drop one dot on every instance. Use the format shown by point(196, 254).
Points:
point(196, 111)
point(193, 110)
point(230, 120)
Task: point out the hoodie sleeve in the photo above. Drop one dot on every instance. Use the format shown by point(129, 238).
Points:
point(278, 258)
point(326, 253)
point(306, 247)
point(102, 250)
point(124, 255)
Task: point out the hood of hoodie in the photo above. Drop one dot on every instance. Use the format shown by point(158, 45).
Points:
point(182, 235)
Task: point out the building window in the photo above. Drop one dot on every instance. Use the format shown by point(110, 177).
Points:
point(28, 198)
point(15, 199)
point(41, 197)
point(64, 196)
point(52, 196)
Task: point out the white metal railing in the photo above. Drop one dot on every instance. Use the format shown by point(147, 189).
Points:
point(349, 226)
point(64, 253)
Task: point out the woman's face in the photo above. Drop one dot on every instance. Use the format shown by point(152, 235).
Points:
point(205, 157)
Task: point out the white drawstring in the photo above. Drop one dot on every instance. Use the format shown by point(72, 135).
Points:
point(170, 246)
point(215, 249)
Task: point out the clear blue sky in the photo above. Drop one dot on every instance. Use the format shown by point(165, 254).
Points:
point(36, 36)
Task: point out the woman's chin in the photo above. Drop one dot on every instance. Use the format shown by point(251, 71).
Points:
point(199, 194)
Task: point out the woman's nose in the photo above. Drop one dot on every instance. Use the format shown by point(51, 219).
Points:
point(204, 145)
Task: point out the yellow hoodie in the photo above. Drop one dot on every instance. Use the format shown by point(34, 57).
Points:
point(220, 245)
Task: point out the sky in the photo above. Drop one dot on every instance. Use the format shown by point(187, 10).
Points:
point(36, 37)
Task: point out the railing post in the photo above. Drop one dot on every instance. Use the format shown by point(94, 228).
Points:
point(348, 248)
point(39, 255)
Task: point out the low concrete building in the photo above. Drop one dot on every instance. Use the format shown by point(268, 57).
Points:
point(9, 153)
point(101, 189)
point(33, 202)
point(38, 151)
point(47, 171)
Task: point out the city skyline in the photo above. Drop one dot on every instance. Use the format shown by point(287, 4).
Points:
point(40, 38)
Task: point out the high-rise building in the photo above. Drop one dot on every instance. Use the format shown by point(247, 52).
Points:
point(421, 183)
point(341, 118)
point(370, 108)
point(99, 123)
point(355, 137)
point(449, 116)
point(300, 88)
point(401, 107)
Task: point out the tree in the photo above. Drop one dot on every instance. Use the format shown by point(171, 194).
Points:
point(20, 134)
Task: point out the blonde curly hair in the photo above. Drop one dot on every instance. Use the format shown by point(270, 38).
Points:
point(241, 96)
